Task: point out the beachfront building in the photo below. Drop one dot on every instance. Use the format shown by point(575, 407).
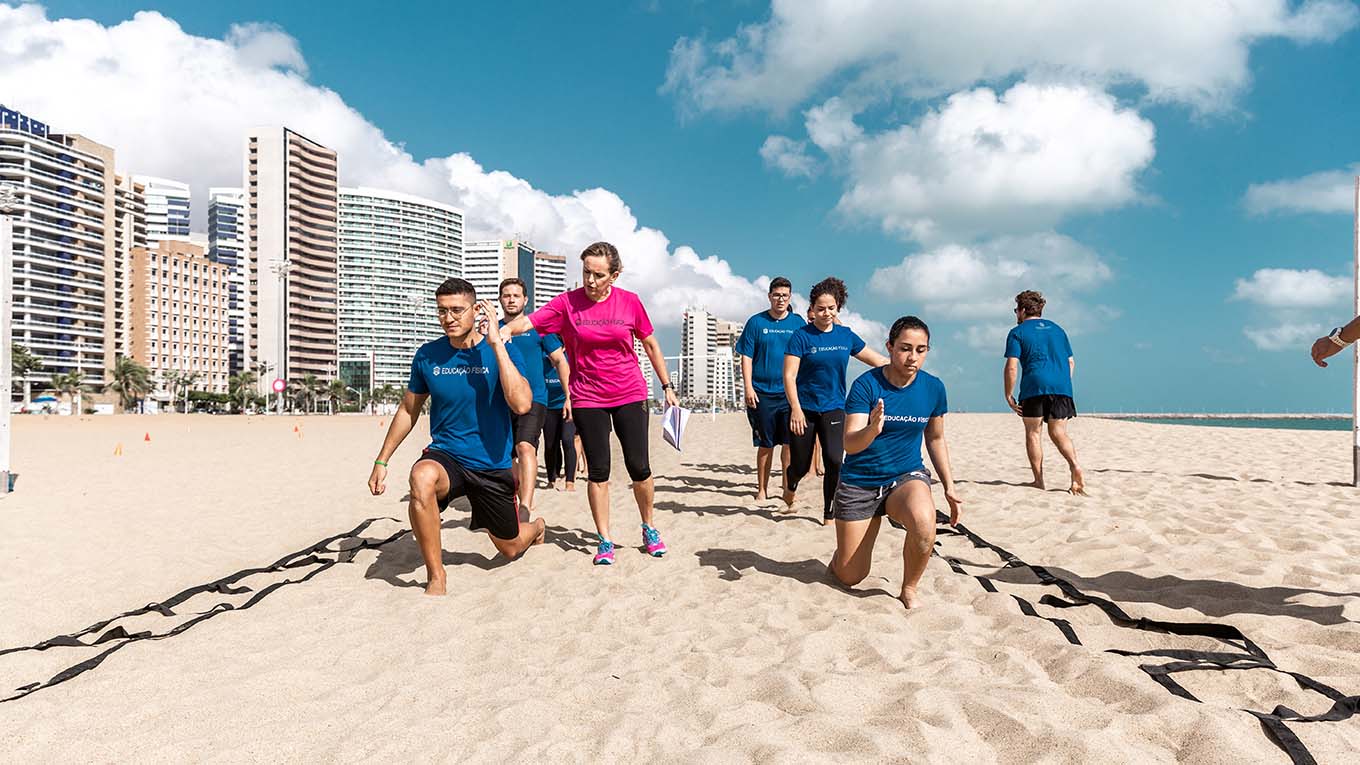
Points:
point(63, 244)
point(728, 365)
point(486, 263)
point(167, 208)
point(291, 256)
point(550, 278)
point(645, 363)
point(395, 250)
point(129, 232)
point(227, 245)
point(698, 351)
point(178, 314)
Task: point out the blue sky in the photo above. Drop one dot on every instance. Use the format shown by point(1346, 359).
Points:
point(1109, 169)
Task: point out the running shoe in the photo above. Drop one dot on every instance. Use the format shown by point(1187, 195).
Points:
point(651, 539)
point(604, 555)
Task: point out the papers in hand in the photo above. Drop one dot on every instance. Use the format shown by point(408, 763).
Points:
point(673, 425)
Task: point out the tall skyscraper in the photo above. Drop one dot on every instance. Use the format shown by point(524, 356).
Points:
point(129, 232)
point(699, 351)
point(550, 278)
point(487, 262)
point(227, 245)
point(728, 368)
point(64, 242)
point(395, 249)
point(291, 262)
point(648, 373)
point(177, 301)
point(167, 208)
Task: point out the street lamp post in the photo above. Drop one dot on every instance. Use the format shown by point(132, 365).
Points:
point(281, 269)
point(9, 207)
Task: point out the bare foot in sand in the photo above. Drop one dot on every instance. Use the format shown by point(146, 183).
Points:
point(909, 598)
point(1078, 483)
point(555, 485)
point(571, 486)
point(1037, 483)
point(760, 496)
point(828, 521)
point(437, 585)
point(788, 499)
point(542, 531)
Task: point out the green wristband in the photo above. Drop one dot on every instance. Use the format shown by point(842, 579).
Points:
point(379, 462)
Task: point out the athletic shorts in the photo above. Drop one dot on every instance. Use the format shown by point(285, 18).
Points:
point(859, 503)
point(529, 426)
point(1050, 407)
point(495, 505)
point(769, 421)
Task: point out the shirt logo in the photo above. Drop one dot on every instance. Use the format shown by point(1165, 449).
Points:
point(905, 418)
point(465, 370)
point(580, 322)
point(828, 348)
point(768, 330)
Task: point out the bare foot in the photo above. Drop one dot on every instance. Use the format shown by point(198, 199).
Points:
point(760, 496)
point(828, 521)
point(1078, 483)
point(788, 498)
point(571, 486)
point(542, 531)
point(1037, 483)
point(437, 586)
point(909, 598)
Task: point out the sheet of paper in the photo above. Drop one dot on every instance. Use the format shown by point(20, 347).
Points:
point(673, 425)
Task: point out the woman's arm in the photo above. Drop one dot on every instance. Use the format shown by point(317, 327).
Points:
point(939, 457)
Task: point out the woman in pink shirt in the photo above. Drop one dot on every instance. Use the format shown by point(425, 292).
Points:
point(597, 323)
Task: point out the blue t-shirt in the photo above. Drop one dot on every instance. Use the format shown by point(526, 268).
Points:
point(821, 373)
point(532, 346)
point(764, 340)
point(906, 411)
point(557, 397)
point(469, 418)
point(1043, 350)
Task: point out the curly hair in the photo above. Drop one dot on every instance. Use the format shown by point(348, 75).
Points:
point(1030, 303)
point(829, 286)
point(607, 251)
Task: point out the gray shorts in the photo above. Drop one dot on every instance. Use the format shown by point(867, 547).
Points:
point(859, 503)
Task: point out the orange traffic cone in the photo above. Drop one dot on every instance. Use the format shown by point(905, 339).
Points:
point(295, 429)
point(147, 437)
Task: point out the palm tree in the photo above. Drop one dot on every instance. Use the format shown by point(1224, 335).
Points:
point(131, 381)
point(311, 386)
point(335, 393)
point(71, 385)
point(187, 381)
point(23, 364)
point(242, 385)
point(171, 382)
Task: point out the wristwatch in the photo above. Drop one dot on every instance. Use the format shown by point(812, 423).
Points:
point(665, 386)
point(1335, 337)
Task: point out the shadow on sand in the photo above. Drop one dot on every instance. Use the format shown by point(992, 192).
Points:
point(729, 564)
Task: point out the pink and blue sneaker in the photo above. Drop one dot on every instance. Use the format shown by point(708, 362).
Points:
point(604, 554)
point(651, 539)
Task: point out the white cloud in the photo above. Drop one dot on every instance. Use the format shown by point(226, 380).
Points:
point(1289, 288)
point(788, 156)
point(1185, 52)
point(1285, 336)
point(832, 125)
point(176, 105)
point(986, 164)
point(1332, 191)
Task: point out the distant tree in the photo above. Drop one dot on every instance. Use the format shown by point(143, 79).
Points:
point(131, 381)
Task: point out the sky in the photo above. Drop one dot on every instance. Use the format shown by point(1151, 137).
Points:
point(1176, 178)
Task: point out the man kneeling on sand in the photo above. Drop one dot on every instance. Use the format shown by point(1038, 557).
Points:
point(473, 381)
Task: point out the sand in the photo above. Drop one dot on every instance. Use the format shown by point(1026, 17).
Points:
point(732, 648)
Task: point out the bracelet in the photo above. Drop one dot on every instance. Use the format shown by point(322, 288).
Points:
point(379, 462)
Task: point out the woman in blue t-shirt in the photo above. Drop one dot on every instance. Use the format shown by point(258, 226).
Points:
point(890, 411)
point(814, 381)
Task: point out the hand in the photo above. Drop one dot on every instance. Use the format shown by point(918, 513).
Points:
point(876, 417)
point(1322, 348)
point(671, 398)
point(487, 313)
point(566, 409)
point(1014, 405)
point(377, 480)
point(954, 505)
point(797, 422)
point(751, 398)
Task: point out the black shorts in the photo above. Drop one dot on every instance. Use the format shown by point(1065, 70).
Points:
point(529, 426)
point(860, 503)
point(769, 421)
point(495, 505)
point(1050, 407)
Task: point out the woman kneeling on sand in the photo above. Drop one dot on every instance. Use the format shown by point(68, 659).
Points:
point(889, 411)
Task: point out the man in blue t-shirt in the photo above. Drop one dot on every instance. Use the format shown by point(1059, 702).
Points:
point(1039, 348)
point(474, 383)
point(890, 413)
point(761, 348)
point(528, 426)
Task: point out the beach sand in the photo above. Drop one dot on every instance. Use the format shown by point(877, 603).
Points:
point(732, 648)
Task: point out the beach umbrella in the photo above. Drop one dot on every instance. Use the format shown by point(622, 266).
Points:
point(44, 399)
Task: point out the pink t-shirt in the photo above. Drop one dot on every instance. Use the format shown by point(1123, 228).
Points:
point(599, 340)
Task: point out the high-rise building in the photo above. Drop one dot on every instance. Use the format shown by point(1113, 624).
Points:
point(645, 362)
point(177, 305)
point(64, 243)
point(698, 351)
point(550, 278)
point(129, 232)
point(395, 250)
point(291, 262)
point(227, 245)
point(167, 208)
point(486, 263)
point(727, 364)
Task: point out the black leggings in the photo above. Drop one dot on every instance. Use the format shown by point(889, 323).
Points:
point(630, 423)
point(830, 428)
point(559, 441)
